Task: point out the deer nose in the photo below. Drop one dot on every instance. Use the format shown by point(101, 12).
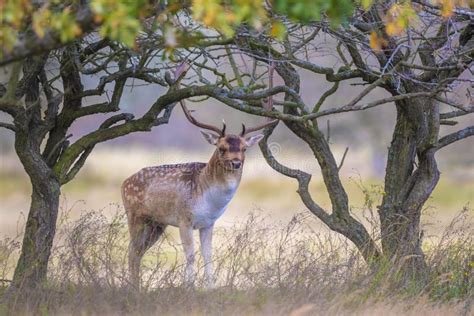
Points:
point(236, 164)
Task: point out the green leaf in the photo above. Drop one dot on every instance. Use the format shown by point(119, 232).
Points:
point(366, 4)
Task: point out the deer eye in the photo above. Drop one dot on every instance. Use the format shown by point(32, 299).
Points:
point(221, 151)
point(244, 149)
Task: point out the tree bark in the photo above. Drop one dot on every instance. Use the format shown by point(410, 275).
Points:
point(40, 228)
point(406, 188)
point(31, 269)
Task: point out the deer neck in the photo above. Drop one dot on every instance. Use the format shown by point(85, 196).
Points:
point(215, 174)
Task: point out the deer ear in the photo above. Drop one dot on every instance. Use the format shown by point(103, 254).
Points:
point(210, 137)
point(252, 140)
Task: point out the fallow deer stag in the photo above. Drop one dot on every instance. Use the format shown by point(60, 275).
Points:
point(189, 196)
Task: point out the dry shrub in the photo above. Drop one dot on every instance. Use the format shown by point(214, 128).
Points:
point(451, 260)
point(260, 268)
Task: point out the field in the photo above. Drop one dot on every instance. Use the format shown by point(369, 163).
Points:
point(271, 255)
point(97, 187)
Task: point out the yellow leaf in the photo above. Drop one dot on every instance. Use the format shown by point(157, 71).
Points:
point(447, 8)
point(393, 29)
point(278, 30)
point(399, 17)
point(41, 21)
point(377, 42)
point(366, 4)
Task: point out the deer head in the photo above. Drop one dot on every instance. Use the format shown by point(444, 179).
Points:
point(230, 151)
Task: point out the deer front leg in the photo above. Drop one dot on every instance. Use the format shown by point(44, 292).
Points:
point(186, 234)
point(205, 235)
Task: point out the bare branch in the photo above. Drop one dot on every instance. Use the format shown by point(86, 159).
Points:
point(77, 165)
point(57, 146)
point(457, 113)
point(267, 104)
point(454, 137)
point(104, 107)
point(348, 108)
point(234, 67)
point(8, 126)
point(302, 177)
point(225, 98)
point(447, 122)
point(328, 131)
point(329, 72)
point(115, 119)
point(325, 95)
point(366, 91)
point(341, 222)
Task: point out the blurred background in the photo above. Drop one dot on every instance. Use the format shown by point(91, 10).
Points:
point(367, 134)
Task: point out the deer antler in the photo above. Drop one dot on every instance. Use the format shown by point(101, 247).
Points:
point(246, 131)
point(179, 72)
point(193, 121)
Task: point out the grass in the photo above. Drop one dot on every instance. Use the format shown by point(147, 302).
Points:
point(261, 268)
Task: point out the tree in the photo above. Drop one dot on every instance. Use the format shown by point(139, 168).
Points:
point(422, 67)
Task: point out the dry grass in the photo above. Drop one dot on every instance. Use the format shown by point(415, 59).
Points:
point(261, 268)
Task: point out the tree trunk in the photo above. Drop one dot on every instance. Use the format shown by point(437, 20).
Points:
point(40, 229)
point(41, 223)
point(407, 189)
point(401, 243)
point(400, 226)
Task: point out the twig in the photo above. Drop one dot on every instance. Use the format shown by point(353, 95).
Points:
point(343, 158)
point(57, 145)
point(325, 95)
point(448, 122)
point(328, 131)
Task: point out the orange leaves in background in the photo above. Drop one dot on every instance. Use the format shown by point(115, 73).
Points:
point(448, 6)
point(399, 17)
point(377, 42)
point(224, 16)
point(402, 15)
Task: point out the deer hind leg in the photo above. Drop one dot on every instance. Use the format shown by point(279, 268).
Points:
point(143, 234)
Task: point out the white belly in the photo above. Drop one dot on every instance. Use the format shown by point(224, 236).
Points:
point(212, 205)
